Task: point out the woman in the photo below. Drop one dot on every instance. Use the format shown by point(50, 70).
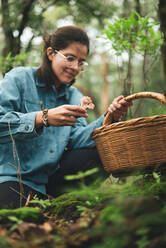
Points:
point(41, 117)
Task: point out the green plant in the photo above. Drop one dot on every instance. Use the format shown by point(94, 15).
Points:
point(29, 214)
point(81, 174)
point(158, 111)
point(156, 177)
point(136, 33)
point(4, 243)
point(17, 222)
point(43, 203)
point(7, 63)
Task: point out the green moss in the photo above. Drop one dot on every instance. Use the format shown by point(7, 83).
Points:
point(126, 213)
point(111, 214)
point(67, 204)
point(27, 214)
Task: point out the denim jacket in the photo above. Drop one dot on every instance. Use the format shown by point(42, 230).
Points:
point(35, 152)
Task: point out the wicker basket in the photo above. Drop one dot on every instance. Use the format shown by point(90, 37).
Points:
point(133, 144)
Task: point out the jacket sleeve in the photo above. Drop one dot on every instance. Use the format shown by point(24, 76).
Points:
point(13, 123)
point(81, 133)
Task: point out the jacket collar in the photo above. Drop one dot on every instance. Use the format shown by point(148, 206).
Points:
point(63, 91)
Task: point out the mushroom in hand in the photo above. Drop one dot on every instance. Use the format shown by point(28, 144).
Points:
point(86, 102)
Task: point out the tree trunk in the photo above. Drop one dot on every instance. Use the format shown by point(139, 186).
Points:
point(138, 6)
point(12, 43)
point(162, 17)
point(105, 98)
point(9, 38)
point(126, 9)
point(127, 87)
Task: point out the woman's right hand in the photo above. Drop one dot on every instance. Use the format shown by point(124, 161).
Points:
point(65, 115)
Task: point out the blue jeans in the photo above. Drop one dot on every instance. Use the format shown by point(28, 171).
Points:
point(71, 162)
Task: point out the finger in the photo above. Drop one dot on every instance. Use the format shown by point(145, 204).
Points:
point(127, 103)
point(116, 101)
point(111, 108)
point(119, 98)
point(114, 106)
point(68, 121)
point(76, 108)
point(76, 114)
point(117, 105)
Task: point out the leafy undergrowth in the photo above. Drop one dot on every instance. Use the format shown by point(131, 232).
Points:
point(119, 213)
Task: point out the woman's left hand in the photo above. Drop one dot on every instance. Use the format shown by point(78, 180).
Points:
point(119, 107)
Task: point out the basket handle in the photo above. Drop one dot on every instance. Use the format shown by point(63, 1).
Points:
point(158, 96)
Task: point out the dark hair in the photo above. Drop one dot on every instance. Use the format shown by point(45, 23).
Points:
point(58, 40)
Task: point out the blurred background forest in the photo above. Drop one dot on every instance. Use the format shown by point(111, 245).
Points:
point(127, 45)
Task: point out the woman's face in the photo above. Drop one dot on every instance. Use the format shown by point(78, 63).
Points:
point(62, 68)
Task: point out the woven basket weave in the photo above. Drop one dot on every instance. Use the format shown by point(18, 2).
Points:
point(132, 144)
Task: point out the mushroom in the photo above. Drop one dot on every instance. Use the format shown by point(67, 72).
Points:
point(86, 102)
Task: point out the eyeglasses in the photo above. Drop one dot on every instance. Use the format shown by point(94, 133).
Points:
point(72, 60)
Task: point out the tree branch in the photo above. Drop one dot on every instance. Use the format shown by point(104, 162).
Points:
point(5, 19)
point(25, 14)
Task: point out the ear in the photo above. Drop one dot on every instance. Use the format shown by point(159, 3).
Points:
point(50, 53)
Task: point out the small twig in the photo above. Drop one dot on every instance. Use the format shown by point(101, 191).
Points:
point(28, 199)
point(154, 61)
point(18, 192)
point(18, 168)
point(119, 73)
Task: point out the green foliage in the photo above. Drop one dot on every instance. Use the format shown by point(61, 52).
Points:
point(111, 214)
point(87, 197)
point(134, 219)
point(112, 242)
point(121, 214)
point(83, 13)
point(9, 62)
point(143, 242)
point(28, 214)
point(81, 174)
point(16, 220)
point(43, 203)
point(77, 201)
point(4, 243)
point(137, 33)
point(157, 177)
point(161, 110)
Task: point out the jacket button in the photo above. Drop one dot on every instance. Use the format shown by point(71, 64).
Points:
point(26, 128)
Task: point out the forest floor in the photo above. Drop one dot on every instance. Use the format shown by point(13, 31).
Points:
point(116, 213)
